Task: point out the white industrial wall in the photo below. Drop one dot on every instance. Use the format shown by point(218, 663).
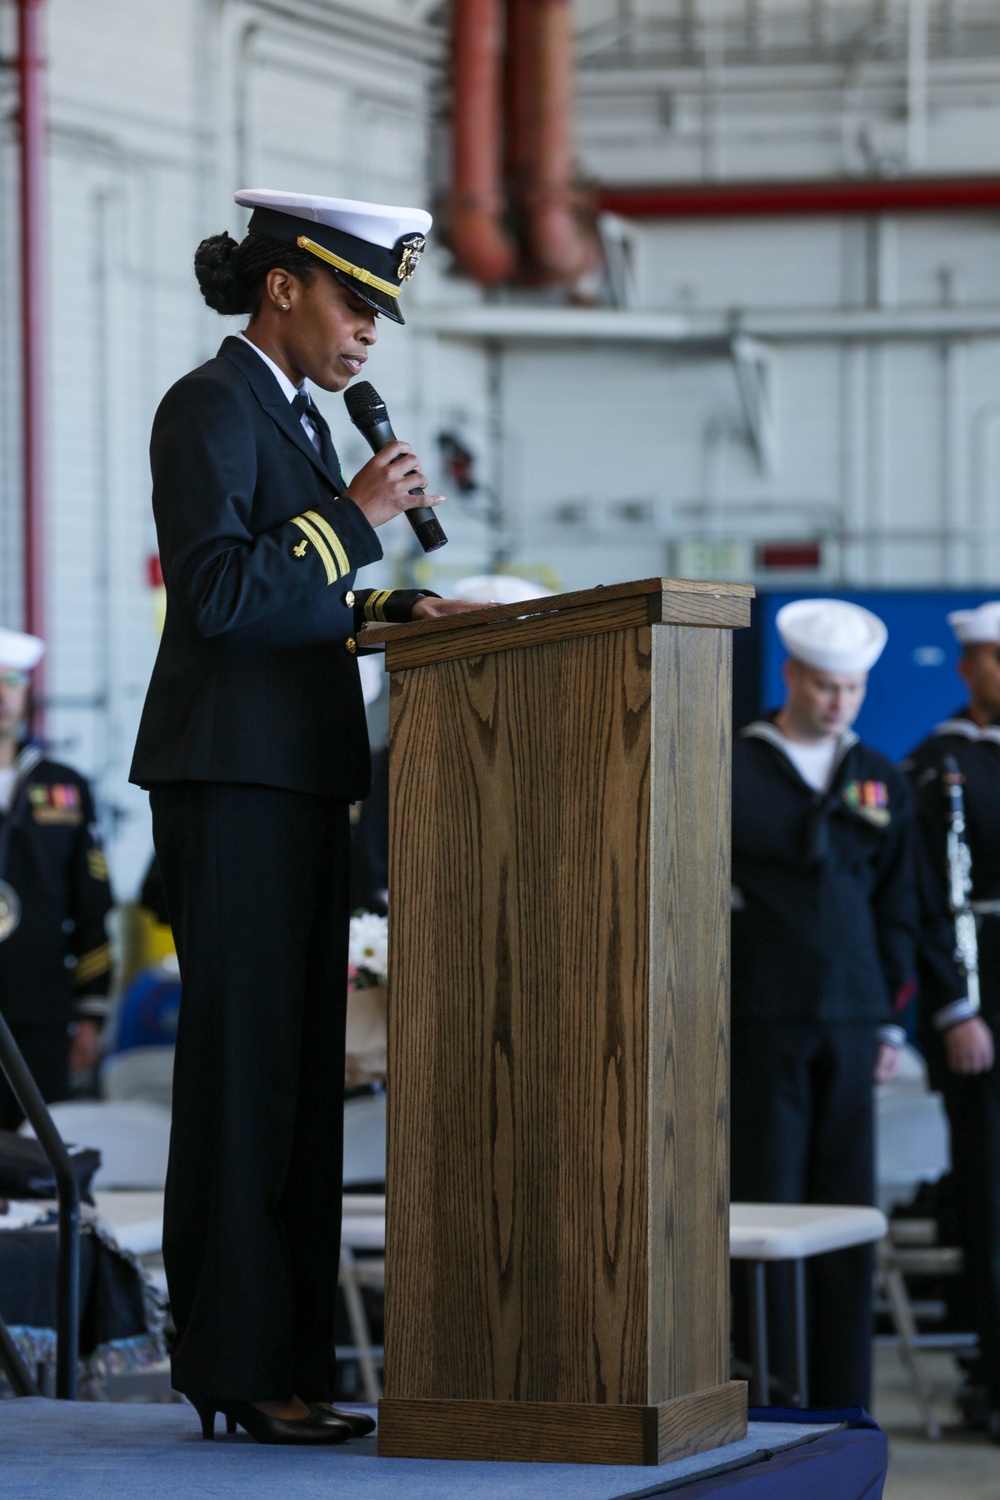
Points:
point(874, 353)
point(878, 336)
point(884, 448)
point(157, 112)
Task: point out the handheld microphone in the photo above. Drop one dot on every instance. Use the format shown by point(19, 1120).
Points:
point(366, 410)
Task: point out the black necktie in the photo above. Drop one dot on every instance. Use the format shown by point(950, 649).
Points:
point(303, 407)
point(303, 403)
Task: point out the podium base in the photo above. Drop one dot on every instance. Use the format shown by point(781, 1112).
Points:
point(563, 1432)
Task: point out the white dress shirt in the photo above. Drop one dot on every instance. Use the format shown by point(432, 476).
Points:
point(814, 763)
point(289, 390)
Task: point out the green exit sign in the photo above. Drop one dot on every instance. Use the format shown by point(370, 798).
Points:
point(712, 558)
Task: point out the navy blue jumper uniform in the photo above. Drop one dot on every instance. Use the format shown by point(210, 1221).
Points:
point(972, 1101)
point(56, 967)
point(252, 744)
point(823, 935)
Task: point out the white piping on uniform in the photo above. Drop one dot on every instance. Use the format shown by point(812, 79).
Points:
point(968, 730)
point(958, 1010)
point(763, 729)
point(23, 767)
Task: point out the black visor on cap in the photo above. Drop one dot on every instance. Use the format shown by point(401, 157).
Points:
point(362, 265)
point(387, 306)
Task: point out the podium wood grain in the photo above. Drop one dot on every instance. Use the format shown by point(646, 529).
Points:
point(548, 1432)
point(557, 1229)
point(500, 627)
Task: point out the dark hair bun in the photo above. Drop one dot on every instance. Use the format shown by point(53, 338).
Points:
point(215, 265)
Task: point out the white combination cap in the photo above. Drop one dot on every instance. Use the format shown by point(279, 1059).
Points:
point(974, 625)
point(499, 588)
point(831, 634)
point(372, 247)
point(378, 223)
point(20, 651)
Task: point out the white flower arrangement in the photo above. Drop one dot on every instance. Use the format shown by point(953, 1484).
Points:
point(368, 955)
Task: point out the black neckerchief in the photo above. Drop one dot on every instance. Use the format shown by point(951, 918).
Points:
point(28, 758)
point(816, 831)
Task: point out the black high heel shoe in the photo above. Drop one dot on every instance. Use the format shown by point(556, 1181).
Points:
point(206, 1411)
point(311, 1430)
point(358, 1421)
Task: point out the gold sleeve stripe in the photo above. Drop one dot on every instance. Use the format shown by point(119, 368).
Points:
point(358, 272)
point(90, 965)
point(320, 545)
point(336, 546)
point(375, 605)
point(97, 864)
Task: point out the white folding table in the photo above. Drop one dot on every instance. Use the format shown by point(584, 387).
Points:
point(363, 1228)
point(758, 1233)
point(762, 1232)
point(135, 1217)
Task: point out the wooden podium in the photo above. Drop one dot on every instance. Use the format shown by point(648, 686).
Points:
point(557, 1189)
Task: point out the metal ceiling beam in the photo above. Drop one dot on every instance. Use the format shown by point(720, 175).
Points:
point(706, 333)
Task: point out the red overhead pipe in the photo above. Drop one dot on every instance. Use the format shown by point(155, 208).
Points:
point(518, 100)
point(559, 247)
point(30, 67)
point(767, 199)
point(476, 234)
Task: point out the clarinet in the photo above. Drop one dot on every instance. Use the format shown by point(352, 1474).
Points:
point(960, 878)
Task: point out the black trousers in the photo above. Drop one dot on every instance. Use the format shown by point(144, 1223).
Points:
point(973, 1106)
point(46, 1051)
point(257, 883)
point(803, 1132)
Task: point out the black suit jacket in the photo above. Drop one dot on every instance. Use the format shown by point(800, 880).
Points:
point(256, 678)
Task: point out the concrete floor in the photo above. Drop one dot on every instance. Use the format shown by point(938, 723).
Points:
point(961, 1466)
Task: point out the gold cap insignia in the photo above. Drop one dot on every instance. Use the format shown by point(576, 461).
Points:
point(413, 250)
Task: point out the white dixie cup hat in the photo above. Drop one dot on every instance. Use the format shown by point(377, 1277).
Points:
point(971, 626)
point(499, 588)
point(831, 634)
point(19, 651)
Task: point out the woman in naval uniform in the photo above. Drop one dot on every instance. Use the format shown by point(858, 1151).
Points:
point(252, 744)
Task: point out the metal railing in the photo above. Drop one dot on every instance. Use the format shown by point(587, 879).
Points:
point(30, 1099)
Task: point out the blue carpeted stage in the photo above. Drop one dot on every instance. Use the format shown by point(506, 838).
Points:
point(91, 1450)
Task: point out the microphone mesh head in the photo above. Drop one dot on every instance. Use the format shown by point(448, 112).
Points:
point(363, 402)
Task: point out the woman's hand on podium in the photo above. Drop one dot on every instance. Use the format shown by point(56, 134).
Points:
point(434, 609)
